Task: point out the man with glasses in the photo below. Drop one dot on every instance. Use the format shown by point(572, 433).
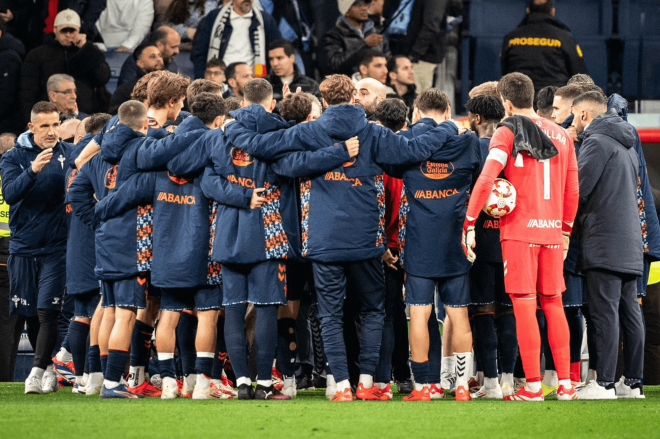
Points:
point(66, 51)
point(63, 93)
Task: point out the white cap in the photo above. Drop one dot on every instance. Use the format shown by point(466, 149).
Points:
point(67, 17)
point(345, 5)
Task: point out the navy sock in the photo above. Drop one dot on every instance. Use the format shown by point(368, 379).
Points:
point(574, 319)
point(287, 346)
point(435, 349)
point(547, 352)
point(204, 365)
point(507, 342)
point(485, 343)
point(185, 335)
point(66, 343)
point(104, 363)
point(78, 333)
point(167, 368)
point(116, 365)
point(220, 357)
point(266, 339)
point(235, 338)
point(86, 368)
point(94, 359)
point(141, 343)
point(154, 365)
point(420, 372)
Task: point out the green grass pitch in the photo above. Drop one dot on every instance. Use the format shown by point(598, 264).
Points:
point(310, 415)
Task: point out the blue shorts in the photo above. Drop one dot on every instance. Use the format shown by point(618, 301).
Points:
point(453, 291)
point(36, 282)
point(86, 303)
point(576, 291)
point(127, 293)
point(487, 284)
point(263, 283)
point(200, 298)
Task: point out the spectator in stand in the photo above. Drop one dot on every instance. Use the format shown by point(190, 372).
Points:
point(544, 102)
point(148, 59)
point(215, 71)
point(16, 16)
point(401, 78)
point(63, 93)
point(237, 32)
point(352, 34)
point(371, 64)
point(11, 52)
point(542, 48)
point(44, 12)
point(417, 29)
point(375, 11)
point(124, 24)
point(283, 70)
point(184, 15)
point(369, 93)
point(67, 51)
point(238, 74)
point(167, 40)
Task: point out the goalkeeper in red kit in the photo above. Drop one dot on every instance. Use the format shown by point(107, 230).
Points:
point(538, 158)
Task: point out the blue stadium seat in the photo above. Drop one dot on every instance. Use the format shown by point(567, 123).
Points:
point(115, 60)
point(641, 48)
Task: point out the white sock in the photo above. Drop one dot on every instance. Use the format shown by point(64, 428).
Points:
point(507, 378)
point(163, 357)
point(265, 383)
point(330, 381)
point(491, 383)
point(79, 379)
point(64, 356)
point(110, 384)
point(550, 378)
point(447, 369)
point(343, 385)
point(367, 381)
point(137, 373)
point(419, 386)
point(85, 378)
point(533, 387)
point(203, 382)
point(289, 381)
point(463, 366)
point(566, 383)
point(243, 380)
point(381, 385)
point(37, 372)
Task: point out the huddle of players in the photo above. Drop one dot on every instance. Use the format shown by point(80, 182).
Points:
point(223, 215)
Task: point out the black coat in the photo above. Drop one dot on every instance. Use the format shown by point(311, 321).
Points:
point(307, 84)
point(123, 94)
point(21, 10)
point(544, 49)
point(87, 66)
point(342, 45)
point(11, 52)
point(425, 39)
point(608, 216)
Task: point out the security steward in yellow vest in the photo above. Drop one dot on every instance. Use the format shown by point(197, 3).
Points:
point(542, 48)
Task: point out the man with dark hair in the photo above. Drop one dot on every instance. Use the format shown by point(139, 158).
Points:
point(282, 57)
point(534, 233)
point(490, 305)
point(391, 113)
point(580, 79)
point(33, 186)
point(542, 48)
point(544, 100)
point(563, 101)
point(401, 78)
point(611, 259)
point(202, 86)
point(238, 74)
point(371, 64)
point(167, 41)
point(296, 107)
point(215, 71)
point(352, 34)
point(148, 58)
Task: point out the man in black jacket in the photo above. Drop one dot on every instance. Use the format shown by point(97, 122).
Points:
point(542, 48)
point(283, 70)
point(147, 58)
point(11, 52)
point(352, 34)
point(611, 253)
point(67, 51)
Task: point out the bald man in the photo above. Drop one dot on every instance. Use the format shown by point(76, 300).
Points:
point(369, 93)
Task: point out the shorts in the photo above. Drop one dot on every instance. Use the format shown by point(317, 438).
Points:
point(299, 279)
point(263, 283)
point(127, 293)
point(453, 291)
point(575, 290)
point(487, 284)
point(86, 303)
point(533, 268)
point(36, 282)
point(200, 298)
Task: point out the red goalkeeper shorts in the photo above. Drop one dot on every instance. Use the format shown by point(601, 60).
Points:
point(533, 268)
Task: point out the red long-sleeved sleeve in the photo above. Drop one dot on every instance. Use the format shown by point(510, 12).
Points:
point(482, 188)
point(572, 190)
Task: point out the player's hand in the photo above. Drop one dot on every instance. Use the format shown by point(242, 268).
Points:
point(124, 49)
point(461, 128)
point(566, 240)
point(80, 40)
point(7, 16)
point(573, 132)
point(374, 40)
point(469, 242)
point(352, 146)
point(390, 260)
point(257, 200)
point(42, 160)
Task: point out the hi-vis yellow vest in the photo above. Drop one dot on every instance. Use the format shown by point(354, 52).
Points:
point(4, 215)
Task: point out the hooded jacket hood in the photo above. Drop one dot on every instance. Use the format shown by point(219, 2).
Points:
point(337, 120)
point(620, 104)
point(611, 125)
point(115, 142)
point(191, 123)
point(256, 118)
